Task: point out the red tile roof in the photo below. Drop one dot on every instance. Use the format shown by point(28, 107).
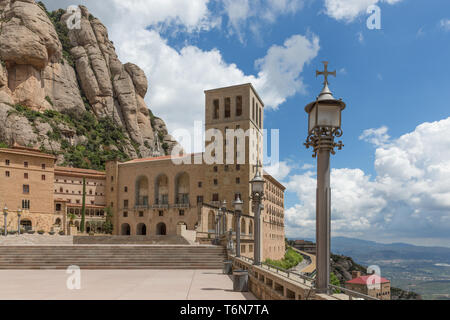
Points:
point(365, 280)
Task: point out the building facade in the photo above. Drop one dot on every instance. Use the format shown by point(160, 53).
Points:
point(153, 196)
point(372, 285)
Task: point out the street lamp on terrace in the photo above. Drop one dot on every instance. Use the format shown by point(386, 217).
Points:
point(238, 204)
point(324, 124)
point(257, 184)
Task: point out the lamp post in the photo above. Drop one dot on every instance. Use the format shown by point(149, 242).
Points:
point(19, 213)
point(238, 204)
point(5, 214)
point(217, 220)
point(224, 216)
point(324, 124)
point(257, 184)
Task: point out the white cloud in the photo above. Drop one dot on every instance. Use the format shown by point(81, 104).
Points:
point(377, 137)
point(279, 170)
point(349, 10)
point(445, 24)
point(408, 198)
point(256, 13)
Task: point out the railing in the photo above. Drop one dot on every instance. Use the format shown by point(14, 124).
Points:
point(308, 281)
point(353, 295)
point(181, 205)
point(160, 206)
point(297, 277)
point(139, 206)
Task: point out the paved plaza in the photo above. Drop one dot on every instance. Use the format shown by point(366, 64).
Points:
point(120, 285)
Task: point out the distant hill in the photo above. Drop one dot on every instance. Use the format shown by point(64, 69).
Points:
point(421, 269)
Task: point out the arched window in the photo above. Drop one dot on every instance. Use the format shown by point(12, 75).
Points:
point(161, 229)
point(211, 222)
point(125, 229)
point(182, 188)
point(162, 189)
point(142, 191)
point(58, 221)
point(243, 231)
point(141, 229)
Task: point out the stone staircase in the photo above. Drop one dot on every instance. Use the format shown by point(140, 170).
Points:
point(112, 257)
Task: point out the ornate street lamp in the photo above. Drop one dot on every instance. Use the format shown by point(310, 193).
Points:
point(217, 220)
point(238, 204)
point(19, 213)
point(5, 214)
point(324, 124)
point(224, 216)
point(257, 184)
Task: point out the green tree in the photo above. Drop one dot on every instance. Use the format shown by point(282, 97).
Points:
point(83, 207)
point(335, 282)
point(108, 224)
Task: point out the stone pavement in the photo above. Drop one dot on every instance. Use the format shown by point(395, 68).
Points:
point(120, 285)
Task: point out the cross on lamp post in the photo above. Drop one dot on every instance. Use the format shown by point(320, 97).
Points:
point(238, 204)
point(324, 124)
point(257, 197)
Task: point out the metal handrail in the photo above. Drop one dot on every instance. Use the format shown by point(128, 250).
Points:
point(287, 272)
point(352, 294)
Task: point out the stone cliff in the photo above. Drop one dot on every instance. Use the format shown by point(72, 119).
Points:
point(66, 92)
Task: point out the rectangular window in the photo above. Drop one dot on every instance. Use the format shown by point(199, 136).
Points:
point(125, 203)
point(161, 213)
point(43, 166)
point(236, 195)
point(215, 197)
point(26, 188)
point(112, 178)
point(238, 180)
point(125, 214)
point(238, 106)
point(25, 175)
point(26, 204)
point(199, 199)
point(216, 109)
point(226, 167)
point(58, 207)
point(78, 201)
point(125, 189)
point(256, 113)
point(260, 120)
point(141, 213)
point(216, 182)
point(227, 107)
point(238, 167)
point(7, 162)
point(253, 113)
point(43, 177)
point(181, 212)
point(216, 169)
point(199, 184)
point(7, 173)
point(25, 164)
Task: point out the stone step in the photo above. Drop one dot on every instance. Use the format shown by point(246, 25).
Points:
point(112, 257)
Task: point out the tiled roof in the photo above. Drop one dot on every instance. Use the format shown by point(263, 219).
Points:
point(365, 280)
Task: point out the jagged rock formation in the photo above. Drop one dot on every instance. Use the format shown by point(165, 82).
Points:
point(49, 69)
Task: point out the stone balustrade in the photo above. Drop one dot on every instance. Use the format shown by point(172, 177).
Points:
point(272, 283)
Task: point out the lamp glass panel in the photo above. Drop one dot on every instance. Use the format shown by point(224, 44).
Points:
point(312, 118)
point(257, 186)
point(328, 116)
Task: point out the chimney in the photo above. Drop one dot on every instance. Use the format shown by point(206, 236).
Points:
point(356, 274)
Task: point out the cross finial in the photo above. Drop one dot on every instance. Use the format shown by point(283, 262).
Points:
point(325, 73)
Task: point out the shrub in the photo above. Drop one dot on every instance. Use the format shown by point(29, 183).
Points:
point(61, 233)
point(41, 231)
point(290, 260)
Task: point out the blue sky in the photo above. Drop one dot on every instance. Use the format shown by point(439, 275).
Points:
point(390, 182)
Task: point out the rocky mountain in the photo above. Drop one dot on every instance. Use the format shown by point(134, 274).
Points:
point(66, 92)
